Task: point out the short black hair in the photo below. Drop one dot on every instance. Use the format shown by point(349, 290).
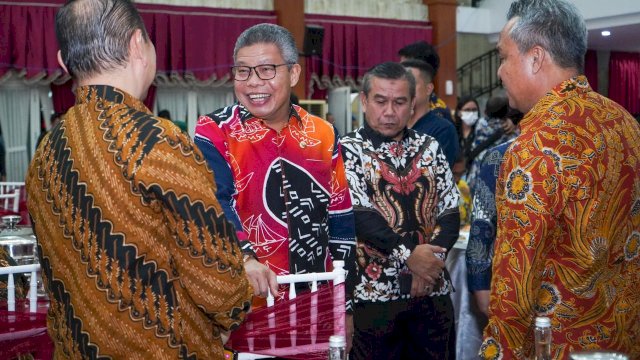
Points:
point(497, 107)
point(424, 51)
point(93, 35)
point(392, 71)
point(425, 69)
point(165, 114)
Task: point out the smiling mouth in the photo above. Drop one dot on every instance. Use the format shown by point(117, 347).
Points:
point(259, 97)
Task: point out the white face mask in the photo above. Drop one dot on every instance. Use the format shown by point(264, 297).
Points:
point(469, 117)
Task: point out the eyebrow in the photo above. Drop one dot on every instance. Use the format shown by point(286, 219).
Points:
point(382, 97)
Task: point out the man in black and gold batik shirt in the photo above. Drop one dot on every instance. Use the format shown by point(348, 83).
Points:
point(138, 259)
point(406, 210)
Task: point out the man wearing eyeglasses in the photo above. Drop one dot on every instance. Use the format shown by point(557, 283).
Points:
point(278, 169)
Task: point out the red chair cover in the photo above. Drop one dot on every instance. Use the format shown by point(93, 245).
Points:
point(294, 326)
point(23, 333)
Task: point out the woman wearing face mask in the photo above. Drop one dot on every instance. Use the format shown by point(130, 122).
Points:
point(466, 117)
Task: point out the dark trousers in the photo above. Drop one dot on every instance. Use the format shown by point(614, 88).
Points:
point(421, 328)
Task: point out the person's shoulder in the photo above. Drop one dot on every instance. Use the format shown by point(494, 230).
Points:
point(227, 113)
point(353, 139)
point(422, 139)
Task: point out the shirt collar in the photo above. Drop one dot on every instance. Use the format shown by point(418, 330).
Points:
point(575, 87)
point(245, 115)
point(112, 94)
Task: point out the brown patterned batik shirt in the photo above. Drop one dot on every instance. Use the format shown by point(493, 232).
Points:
point(137, 258)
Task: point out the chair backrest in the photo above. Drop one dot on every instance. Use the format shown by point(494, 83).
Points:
point(11, 288)
point(336, 277)
point(10, 195)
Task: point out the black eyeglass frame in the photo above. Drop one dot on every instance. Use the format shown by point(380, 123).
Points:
point(253, 69)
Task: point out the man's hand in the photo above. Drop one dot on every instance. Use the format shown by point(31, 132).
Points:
point(261, 278)
point(482, 299)
point(419, 286)
point(424, 263)
point(508, 126)
point(348, 329)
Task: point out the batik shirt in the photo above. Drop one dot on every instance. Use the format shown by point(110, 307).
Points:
point(285, 190)
point(568, 243)
point(136, 255)
point(403, 195)
point(487, 134)
point(484, 218)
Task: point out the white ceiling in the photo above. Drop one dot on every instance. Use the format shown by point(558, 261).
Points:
point(621, 17)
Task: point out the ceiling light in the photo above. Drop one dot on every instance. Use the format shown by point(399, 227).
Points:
point(606, 33)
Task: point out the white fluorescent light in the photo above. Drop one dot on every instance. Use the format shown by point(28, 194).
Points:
point(606, 33)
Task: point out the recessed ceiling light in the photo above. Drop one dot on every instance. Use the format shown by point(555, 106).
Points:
point(606, 33)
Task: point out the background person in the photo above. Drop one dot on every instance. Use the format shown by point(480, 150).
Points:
point(426, 121)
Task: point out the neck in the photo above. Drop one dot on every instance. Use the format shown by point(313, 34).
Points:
point(419, 111)
point(279, 120)
point(553, 76)
point(118, 79)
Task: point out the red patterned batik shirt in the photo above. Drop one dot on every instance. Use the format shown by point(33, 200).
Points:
point(286, 190)
point(568, 203)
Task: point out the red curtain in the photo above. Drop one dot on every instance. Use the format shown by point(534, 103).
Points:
point(62, 97)
point(197, 42)
point(192, 43)
point(624, 80)
point(351, 46)
point(591, 68)
point(28, 40)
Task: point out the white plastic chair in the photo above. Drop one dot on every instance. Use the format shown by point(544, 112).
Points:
point(337, 276)
point(11, 287)
point(10, 195)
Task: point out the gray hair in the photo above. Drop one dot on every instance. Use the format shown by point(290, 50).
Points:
point(390, 71)
point(269, 34)
point(94, 35)
point(555, 25)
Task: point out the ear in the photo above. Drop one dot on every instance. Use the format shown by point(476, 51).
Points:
point(413, 104)
point(538, 58)
point(430, 88)
point(294, 74)
point(137, 46)
point(64, 67)
point(363, 100)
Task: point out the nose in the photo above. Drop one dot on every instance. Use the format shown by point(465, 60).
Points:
point(388, 109)
point(254, 79)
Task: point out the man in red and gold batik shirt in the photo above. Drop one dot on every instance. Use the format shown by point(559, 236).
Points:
point(279, 171)
point(568, 198)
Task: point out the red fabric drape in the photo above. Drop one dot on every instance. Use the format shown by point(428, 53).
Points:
point(197, 41)
point(62, 97)
point(591, 68)
point(351, 46)
point(27, 39)
point(624, 80)
point(23, 335)
point(191, 42)
point(293, 329)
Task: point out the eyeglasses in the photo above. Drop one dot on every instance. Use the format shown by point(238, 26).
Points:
point(264, 72)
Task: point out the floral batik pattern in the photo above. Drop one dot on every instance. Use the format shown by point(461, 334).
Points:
point(568, 210)
point(408, 186)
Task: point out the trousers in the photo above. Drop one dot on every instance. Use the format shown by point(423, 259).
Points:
point(421, 328)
